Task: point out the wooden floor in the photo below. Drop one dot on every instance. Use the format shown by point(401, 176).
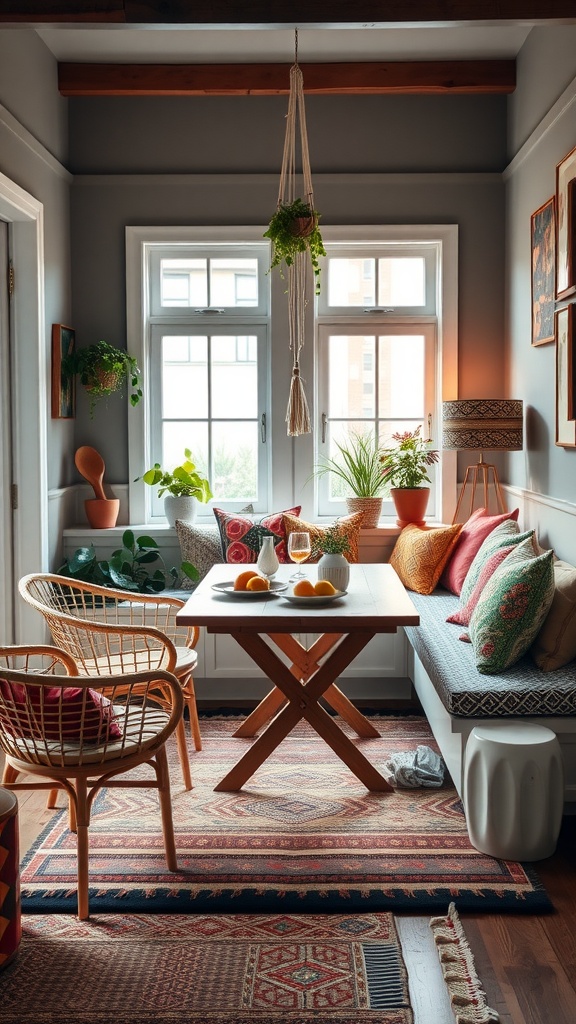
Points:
point(527, 963)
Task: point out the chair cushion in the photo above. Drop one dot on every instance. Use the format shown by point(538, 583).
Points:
point(200, 545)
point(420, 554)
point(348, 526)
point(139, 731)
point(186, 660)
point(242, 536)
point(512, 608)
point(473, 534)
point(555, 644)
point(57, 714)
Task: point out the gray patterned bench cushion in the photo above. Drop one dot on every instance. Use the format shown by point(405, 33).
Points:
point(523, 689)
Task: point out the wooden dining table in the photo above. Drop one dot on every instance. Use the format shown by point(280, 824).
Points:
point(266, 625)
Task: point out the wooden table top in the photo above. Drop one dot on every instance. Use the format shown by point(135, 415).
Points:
point(376, 602)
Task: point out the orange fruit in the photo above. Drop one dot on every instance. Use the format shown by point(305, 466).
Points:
point(303, 589)
point(241, 581)
point(324, 588)
point(258, 583)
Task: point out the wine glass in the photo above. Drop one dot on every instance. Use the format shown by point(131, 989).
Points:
point(299, 549)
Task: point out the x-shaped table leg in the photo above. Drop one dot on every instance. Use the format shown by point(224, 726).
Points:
point(302, 703)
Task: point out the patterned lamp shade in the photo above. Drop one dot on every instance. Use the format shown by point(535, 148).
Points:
point(484, 424)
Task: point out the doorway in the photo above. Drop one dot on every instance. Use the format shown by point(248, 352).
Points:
point(6, 540)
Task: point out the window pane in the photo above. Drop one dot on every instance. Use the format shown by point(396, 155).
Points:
point(184, 377)
point(233, 282)
point(401, 281)
point(351, 282)
point(183, 282)
point(234, 377)
point(351, 373)
point(176, 437)
point(235, 455)
point(401, 376)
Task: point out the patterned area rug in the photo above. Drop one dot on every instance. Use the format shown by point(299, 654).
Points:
point(303, 835)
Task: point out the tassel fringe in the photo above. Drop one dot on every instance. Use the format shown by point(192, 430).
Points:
point(466, 995)
point(297, 413)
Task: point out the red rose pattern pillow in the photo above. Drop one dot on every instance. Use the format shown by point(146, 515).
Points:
point(242, 536)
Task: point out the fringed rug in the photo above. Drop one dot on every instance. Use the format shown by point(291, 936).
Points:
point(304, 835)
point(216, 969)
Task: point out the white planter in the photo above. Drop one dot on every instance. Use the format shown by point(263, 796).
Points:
point(336, 569)
point(180, 508)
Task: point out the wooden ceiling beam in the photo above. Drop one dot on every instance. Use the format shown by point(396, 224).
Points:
point(448, 77)
point(276, 14)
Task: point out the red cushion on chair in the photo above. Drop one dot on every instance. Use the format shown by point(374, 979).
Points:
point(472, 536)
point(57, 714)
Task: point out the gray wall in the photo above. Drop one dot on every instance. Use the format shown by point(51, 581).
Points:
point(217, 161)
point(530, 182)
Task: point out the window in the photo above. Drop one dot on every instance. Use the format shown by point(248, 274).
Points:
point(209, 327)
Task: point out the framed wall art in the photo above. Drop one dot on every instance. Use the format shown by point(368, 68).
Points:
point(543, 248)
point(63, 391)
point(566, 226)
point(565, 383)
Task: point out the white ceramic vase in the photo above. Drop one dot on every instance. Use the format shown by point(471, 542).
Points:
point(336, 569)
point(268, 559)
point(183, 508)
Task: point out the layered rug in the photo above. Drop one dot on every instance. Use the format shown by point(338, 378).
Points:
point(223, 969)
point(304, 835)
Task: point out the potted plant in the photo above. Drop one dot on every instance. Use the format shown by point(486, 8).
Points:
point(358, 464)
point(405, 469)
point(183, 486)
point(103, 369)
point(293, 229)
point(333, 564)
point(137, 566)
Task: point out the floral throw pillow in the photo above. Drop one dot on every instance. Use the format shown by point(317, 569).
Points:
point(512, 608)
point(507, 534)
point(241, 536)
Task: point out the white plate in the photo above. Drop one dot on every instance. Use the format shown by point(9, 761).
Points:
point(317, 599)
point(228, 589)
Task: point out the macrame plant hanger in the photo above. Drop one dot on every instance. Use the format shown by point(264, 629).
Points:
point(297, 413)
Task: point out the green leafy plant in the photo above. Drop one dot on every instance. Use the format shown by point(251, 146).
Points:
point(184, 481)
point(293, 229)
point(103, 369)
point(137, 566)
point(406, 465)
point(357, 464)
point(333, 542)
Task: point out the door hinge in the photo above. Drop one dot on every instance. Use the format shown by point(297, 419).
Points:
point(14, 496)
point(10, 279)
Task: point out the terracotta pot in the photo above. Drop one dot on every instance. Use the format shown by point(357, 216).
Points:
point(371, 507)
point(102, 513)
point(302, 227)
point(410, 504)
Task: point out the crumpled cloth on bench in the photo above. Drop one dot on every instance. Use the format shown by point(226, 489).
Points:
point(414, 768)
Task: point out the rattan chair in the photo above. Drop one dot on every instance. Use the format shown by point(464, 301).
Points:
point(110, 632)
point(60, 729)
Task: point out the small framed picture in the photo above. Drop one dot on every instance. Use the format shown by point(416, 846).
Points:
point(566, 226)
point(63, 390)
point(543, 247)
point(565, 383)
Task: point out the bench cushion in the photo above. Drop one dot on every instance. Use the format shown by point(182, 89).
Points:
point(523, 689)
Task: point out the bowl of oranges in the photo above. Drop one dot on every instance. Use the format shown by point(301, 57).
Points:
point(306, 592)
point(248, 584)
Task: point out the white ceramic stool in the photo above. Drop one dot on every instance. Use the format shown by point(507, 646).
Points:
point(513, 790)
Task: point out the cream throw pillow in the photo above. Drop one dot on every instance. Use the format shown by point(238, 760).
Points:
point(555, 644)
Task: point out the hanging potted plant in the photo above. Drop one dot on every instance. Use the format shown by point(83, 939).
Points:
point(358, 464)
point(183, 486)
point(293, 229)
point(405, 468)
point(103, 369)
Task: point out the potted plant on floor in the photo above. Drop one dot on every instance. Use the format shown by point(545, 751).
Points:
point(183, 486)
point(405, 468)
point(293, 229)
point(103, 369)
point(358, 465)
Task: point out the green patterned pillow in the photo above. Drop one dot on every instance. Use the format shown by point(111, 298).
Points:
point(506, 534)
point(512, 608)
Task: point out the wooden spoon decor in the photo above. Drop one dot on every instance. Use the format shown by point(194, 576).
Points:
point(101, 512)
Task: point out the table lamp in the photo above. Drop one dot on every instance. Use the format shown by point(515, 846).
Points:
point(482, 424)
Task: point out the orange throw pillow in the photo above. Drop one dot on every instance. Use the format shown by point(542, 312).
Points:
point(349, 525)
point(420, 554)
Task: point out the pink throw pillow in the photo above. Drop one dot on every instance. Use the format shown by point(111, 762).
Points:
point(463, 615)
point(58, 714)
point(472, 536)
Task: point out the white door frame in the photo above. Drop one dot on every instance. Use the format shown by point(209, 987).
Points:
point(30, 372)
